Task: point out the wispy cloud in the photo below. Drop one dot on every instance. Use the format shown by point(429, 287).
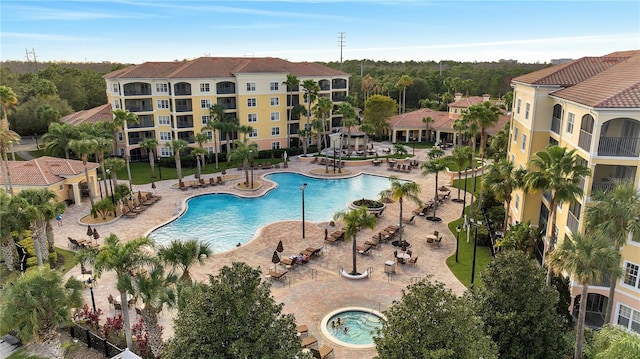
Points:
point(44, 13)
point(43, 37)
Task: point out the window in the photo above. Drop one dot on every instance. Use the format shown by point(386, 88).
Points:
point(274, 85)
point(114, 88)
point(254, 133)
point(527, 107)
point(252, 118)
point(518, 104)
point(631, 275)
point(251, 86)
point(515, 134)
point(275, 131)
point(517, 202)
point(165, 136)
point(629, 318)
point(164, 120)
point(204, 88)
point(163, 103)
point(116, 104)
point(165, 152)
point(209, 134)
point(275, 101)
point(120, 137)
point(524, 141)
point(252, 102)
point(205, 119)
point(205, 103)
point(275, 145)
point(121, 152)
point(570, 120)
point(275, 116)
point(162, 88)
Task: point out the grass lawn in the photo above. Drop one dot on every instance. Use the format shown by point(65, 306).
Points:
point(462, 269)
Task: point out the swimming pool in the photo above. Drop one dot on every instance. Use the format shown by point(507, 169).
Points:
point(360, 323)
point(223, 220)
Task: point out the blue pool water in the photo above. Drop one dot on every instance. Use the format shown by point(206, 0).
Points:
point(361, 326)
point(223, 220)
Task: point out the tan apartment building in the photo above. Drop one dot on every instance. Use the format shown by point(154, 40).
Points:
point(592, 105)
point(172, 99)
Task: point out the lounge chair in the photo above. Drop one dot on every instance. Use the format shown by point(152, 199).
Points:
point(212, 181)
point(309, 341)
point(323, 352)
point(219, 180)
point(409, 220)
point(364, 249)
point(302, 330)
point(277, 275)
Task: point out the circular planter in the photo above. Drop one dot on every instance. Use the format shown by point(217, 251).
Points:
point(372, 206)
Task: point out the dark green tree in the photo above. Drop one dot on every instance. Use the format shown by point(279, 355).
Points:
point(378, 111)
point(513, 303)
point(233, 316)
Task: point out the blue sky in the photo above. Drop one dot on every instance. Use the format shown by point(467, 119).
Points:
point(391, 30)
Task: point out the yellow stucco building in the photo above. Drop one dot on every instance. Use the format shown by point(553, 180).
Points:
point(592, 105)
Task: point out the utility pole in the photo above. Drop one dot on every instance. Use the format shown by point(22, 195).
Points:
point(341, 42)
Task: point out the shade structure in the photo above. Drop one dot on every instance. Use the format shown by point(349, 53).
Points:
point(280, 247)
point(153, 185)
point(89, 231)
point(95, 234)
point(275, 259)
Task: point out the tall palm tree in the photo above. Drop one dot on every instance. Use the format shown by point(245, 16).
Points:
point(198, 153)
point(39, 207)
point(459, 126)
point(616, 213)
point(311, 89)
point(184, 254)
point(292, 83)
point(114, 164)
point(367, 129)
point(244, 152)
point(559, 172)
point(348, 120)
point(8, 100)
point(217, 114)
point(398, 191)
point(355, 220)
point(228, 125)
point(10, 220)
point(123, 258)
point(201, 138)
point(304, 134)
point(58, 138)
point(436, 164)
point(460, 158)
point(121, 119)
point(150, 144)
point(428, 120)
point(156, 290)
point(177, 146)
point(367, 85)
point(103, 145)
point(502, 179)
point(404, 82)
point(588, 258)
point(84, 147)
point(322, 111)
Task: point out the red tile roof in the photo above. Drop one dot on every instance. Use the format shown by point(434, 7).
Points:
point(467, 101)
point(442, 120)
point(210, 67)
point(96, 114)
point(45, 171)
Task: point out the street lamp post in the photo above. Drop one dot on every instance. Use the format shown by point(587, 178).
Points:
point(90, 283)
point(458, 229)
point(476, 224)
point(302, 188)
point(113, 198)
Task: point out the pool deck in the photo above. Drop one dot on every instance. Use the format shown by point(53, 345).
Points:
point(308, 291)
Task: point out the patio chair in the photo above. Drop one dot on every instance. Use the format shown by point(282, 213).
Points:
point(409, 220)
point(323, 352)
point(309, 341)
point(412, 261)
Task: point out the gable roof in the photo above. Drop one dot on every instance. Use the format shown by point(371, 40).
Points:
point(45, 171)
point(467, 101)
point(96, 114)
point(441, 120)
point(211, 67)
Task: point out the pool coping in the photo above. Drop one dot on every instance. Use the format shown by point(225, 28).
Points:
point(329, 336)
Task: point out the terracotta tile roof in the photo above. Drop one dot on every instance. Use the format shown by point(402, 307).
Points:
point(96, 114)
point(45, 171)
point(467, 101)
point(442, 120)
point(211, 67)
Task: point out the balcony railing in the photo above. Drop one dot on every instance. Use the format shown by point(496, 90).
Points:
point(555, 125)
point(619, 146)
point(183, 108)
point(585, 140)
point(573, 223)
point(141, 124)
point(228, 103)
point(137, 92)
point(139, 108)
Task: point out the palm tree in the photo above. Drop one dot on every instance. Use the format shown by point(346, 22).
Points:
point(304, 134)
point(184, 254)
point(559, 172)
point(121, 118)
point(520, 236)
point(367, 129)
point(200, 138)
point(428, 120)
point(243, 152)
point(348, 120)
point(355, 220)
point(36, 304)
point(311, 89)
point(217, 113)
point(39, 208)
point(58, 138)
point(435, 164)
point(10, 220)
point(156, 290)
point(123, 258)
point(150, 144)
point(322, 111)
point(398, 191)
point(502, 179)
point(7, 138)
point(460, 158)
point(471, 129)
point(198, 153)
point(367, 85)
point(616, 213)
point(614, 342)
point(84, 147)
point(8, 101)
point(228, 125)
point(588, 258)
point(404, 82)
point(101, 146)
point(177, 146)
point(114, 164)
point(292, 84)
point(459, 126)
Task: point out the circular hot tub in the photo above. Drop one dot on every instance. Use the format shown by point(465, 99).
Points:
point(352, 327)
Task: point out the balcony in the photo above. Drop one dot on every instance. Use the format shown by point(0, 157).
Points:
point(187, 136)
point(229, 103)
point(339, 84)
point(136, 137)
point(225, 88)
point(182, 89)
point(184, 105)
point(555, 125)
point(338, 96)
point(138, 105)
point(137, 89)
point(585, 140)
point(573, 223)
point(603, 174)
point(619, 146)
point(144, 121)
point(325, 85)
point(184, 121)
